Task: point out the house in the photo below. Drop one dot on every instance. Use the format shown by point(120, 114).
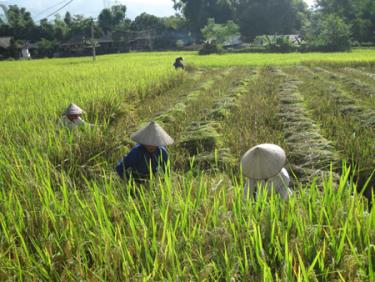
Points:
point(105, 42)
point(5, 42)
point(293, 38)
point(80, 45)
point(5, 47)
point(140, 44)
point(233, 41)
point(75, 44)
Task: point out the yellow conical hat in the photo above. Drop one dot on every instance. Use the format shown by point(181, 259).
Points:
point(73, 109)
point(152, 134)
point(263, 161)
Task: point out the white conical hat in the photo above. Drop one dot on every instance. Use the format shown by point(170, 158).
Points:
point(152, 134)
point(73, 109)
point(263, 161)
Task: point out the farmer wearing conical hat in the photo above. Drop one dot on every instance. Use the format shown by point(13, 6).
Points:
point(263, 165)
point(72, 117)
point(178, 63)
point(148, 155)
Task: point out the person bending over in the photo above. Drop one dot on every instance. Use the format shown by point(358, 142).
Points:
point(263, 166)
point(149, 155)
point(72, 117)
point(178, 63)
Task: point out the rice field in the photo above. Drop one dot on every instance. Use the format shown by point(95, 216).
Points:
point(66, 216)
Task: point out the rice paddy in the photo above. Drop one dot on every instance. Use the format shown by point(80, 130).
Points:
point(66, 216)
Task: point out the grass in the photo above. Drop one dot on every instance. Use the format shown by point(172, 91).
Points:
point(66, 216)
point(208, 232)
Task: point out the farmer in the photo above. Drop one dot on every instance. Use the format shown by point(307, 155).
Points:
point(263, 165)
point(25, 53)
point(178, 64)
point(148, 155)
point(72, 117)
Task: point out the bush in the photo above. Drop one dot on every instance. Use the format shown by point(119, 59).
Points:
point(210, 48)
point(216, 34)
point(327, 33)
point(46, 48)
point(278, 43)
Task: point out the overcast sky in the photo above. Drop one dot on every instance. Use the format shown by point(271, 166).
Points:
point(42, 8)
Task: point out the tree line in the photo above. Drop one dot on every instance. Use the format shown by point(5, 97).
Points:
point(331, 25)
point(48, 37)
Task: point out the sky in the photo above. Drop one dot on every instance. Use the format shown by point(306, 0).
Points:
point(42, 8)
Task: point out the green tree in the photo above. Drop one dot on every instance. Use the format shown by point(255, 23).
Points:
point(176, 22)
point(121, 36)
point(80, 26)
point(110, 18)
point(328, 33)
point(19, 24)
point(60, 29)
point(219, 33)
point(259, 17)
point(197, 12)
point(148, 28)
point(216, 35)
point(68, 19)
point(47, 47)
point(360, 14)
point(46, 30)
point(118, 14)
point(159, 33)
point(105, 20)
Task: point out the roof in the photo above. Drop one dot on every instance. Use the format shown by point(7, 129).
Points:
point(291, 37)
point(81, 41)
point(294, 38)
point(233, 40)
point(5, 42)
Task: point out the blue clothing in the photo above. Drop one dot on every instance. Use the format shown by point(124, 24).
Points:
point(137, 162)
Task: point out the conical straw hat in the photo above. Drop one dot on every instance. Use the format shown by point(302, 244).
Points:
point(152, 134)
point(73, 109)
point(263, 161)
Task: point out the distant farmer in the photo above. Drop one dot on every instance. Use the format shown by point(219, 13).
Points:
point(148, 155)
point(72, 117)
point(178, 63)
point(263, 165)
point(25, 53)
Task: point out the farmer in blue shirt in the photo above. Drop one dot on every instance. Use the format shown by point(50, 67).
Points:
point(148, 155)
point(178, 64)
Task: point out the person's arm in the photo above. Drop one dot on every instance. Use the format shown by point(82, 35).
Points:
point(125, 163)
point(164, 160)
point(284, 175)
point(250, 187)
point(282, 184)
point(120, 168)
